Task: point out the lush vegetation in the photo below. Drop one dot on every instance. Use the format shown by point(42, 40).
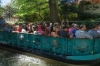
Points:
point(49, 10)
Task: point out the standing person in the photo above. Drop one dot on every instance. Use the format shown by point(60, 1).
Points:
point(81, 33)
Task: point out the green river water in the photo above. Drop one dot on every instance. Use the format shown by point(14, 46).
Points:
point(13, 58)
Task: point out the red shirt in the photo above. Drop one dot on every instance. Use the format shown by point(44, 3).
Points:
point(19, 29)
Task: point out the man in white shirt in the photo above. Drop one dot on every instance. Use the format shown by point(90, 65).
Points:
point(82, 33)
point(23, 29)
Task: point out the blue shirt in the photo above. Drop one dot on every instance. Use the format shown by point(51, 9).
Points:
point(74, 31)
point(82, 34)
point(2, 22)
point(64, 34)
point(94, 33)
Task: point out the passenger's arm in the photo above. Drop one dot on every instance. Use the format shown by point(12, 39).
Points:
point(71, 35)
point(99, 35)
point(89, 36)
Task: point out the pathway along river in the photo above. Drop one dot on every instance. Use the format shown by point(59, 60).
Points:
point(14, 58)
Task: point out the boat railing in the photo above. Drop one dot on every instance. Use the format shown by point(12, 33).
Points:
point(55, 45)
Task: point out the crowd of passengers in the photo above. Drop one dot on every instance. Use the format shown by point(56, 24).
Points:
point(56, 30)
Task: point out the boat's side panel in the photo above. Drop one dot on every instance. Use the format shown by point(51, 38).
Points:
point(78, 47)
point(74, 49)
point(96, 46)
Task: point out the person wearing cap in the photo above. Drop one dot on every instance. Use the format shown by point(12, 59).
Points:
point(81, 33)
point(64, 32)
point(94, 32)
point(73, 30)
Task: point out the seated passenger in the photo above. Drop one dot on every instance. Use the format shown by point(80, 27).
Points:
point(6, 28)
point(23, 29)
point(54, 32)
point(94, 32)
point(45, 29)
point(98, 29)
point(19, 29)
point(36, 31)
point(40, 31)
point(82, 33)
point(64, 32)
point(75, 27)
point(71, 28)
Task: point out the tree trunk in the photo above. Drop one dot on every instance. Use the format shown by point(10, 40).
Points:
point(53, 12)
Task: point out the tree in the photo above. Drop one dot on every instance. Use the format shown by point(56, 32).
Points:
point(1, 11)
point(37, 10)
point(53, 12)
point(8, 11)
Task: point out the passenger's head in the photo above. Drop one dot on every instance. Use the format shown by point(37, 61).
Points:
point(75, 26)
point(83, 27)
point(36, 29)
point(95, 27)
point(23, 26)
point(99, 27)
point(65, 28)
point(46, 25)
point(50, 24)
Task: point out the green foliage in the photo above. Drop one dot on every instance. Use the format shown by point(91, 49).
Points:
point(1, 11)
point(9, 11)
point(89, 23)
point(39, 10)
point(69, 11)
point(32, 10)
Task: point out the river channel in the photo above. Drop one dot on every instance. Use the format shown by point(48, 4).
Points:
point(13, 58)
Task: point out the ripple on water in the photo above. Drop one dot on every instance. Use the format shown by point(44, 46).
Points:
point(8, 58)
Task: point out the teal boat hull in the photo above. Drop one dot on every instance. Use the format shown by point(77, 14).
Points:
point(69, 49)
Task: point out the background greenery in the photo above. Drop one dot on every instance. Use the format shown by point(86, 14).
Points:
point(49, 10)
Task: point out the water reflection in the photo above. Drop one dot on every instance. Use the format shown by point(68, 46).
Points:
point(8, 58)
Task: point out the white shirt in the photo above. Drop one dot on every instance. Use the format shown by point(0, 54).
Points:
point(82, 34)
point(23, 31)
